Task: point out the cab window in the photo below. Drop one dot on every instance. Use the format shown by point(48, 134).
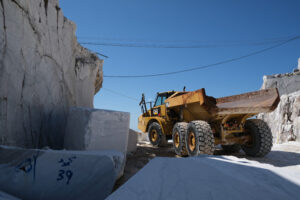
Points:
point(163, 99)
point(158, 101)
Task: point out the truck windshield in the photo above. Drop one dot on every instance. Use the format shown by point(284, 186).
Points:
point(158, 101)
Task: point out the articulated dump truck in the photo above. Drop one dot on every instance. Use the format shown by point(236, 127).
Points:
point(197, 123)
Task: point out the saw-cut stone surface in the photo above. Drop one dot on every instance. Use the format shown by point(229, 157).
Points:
point(43, 71)
point(96, 129)
point(51, 174)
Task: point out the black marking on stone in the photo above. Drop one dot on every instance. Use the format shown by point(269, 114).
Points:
point(46, 6)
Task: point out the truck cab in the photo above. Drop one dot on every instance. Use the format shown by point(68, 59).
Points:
point(156, 113)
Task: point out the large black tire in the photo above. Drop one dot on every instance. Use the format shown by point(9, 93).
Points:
point(156, 137)
point(199, 138)
point(178, 136)
point(261, 138)
point(234, 148)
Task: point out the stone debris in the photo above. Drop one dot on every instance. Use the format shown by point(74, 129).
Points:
point(51, 174)
point(43, 71)
point(210, 177)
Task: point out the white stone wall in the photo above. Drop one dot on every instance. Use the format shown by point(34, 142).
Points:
point(43, 71)
point(286, 83)
point(284, 121)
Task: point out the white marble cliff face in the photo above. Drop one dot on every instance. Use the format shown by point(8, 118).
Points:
point(284, 121)
point(43, 71)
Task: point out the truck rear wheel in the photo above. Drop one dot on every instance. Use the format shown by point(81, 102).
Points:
point(261, 138)
point(178, 137)
point(199, 138)
point(156, 137)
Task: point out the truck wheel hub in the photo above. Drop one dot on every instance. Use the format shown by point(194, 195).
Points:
point(176, 142)
point(192, 141)
point(154, 135)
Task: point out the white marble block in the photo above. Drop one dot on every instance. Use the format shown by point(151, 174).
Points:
point(132, 141)
point(51, 174)
point(95, 129)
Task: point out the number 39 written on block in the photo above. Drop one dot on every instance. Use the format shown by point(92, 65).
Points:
point(64, 174)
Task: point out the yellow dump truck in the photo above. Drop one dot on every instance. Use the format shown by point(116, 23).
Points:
point(197, 123)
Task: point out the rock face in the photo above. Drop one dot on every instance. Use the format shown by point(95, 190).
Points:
point(43, 71)
point(286, 83)
point(284, 121)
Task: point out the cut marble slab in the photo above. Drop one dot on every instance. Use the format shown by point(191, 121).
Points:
point(51, 174)
point(96, 129)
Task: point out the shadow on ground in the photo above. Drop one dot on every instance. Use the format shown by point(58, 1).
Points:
point(277, 158)
point(146, 152)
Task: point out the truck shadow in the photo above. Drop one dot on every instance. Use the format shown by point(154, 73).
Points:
point(275, 157)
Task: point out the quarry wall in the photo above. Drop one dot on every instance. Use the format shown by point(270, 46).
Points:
point(43, 71)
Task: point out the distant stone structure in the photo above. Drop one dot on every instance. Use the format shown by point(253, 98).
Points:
point(285, 120)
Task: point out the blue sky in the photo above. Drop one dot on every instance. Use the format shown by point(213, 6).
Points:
point(185, 22)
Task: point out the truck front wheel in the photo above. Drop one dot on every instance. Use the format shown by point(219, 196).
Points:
point(156, 137)
point(261, 138)
point(199, 138)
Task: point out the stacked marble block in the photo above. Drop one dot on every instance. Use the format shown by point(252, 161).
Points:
point(95, 129)
point(58, 174)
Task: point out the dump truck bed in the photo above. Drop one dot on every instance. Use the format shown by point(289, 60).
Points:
point(197, 106)
point(252, 102)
